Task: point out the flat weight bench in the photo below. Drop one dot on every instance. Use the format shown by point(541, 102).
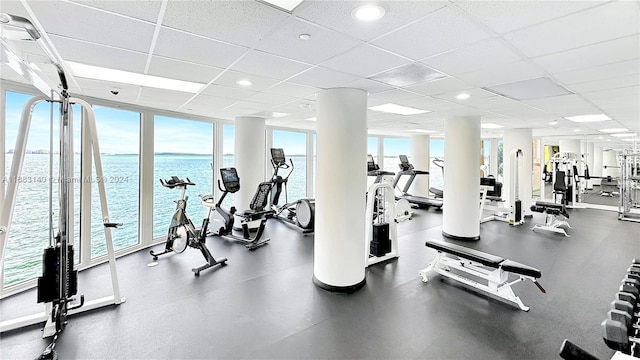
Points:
point(557, 216)
point(494, 269)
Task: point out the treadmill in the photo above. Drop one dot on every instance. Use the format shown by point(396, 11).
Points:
point(421, 201)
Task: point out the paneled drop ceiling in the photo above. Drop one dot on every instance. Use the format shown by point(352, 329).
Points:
point(523, 63)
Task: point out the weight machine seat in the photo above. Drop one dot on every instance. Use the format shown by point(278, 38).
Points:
point(464, 252)
point(484, 258)
point(437, 192)
point(550, 208)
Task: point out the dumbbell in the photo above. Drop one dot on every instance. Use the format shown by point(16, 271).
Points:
point(626, 287)
point(633, 269)
point(625, 296)
point(616, 337)
point(623, 317)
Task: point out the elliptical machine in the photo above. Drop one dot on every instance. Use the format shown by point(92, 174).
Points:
point(222, 220)
point(182, 233)
point(300, 212)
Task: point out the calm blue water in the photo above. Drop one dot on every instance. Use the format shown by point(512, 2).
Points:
point(29, 229)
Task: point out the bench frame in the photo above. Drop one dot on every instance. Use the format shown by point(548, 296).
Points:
point(554, 220)
point(498, 283)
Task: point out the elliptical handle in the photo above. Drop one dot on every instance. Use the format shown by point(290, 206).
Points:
point(220, 187)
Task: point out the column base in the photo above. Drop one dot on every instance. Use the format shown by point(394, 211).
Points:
point(461, 238)
point(340, 289)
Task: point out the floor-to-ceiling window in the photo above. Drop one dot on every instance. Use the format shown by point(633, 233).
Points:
point(393, 147)
point(294, 145)
point(182, 148)
point(119, 137)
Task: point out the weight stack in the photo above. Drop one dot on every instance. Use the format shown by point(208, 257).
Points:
point(381, 243)
point(49, 282)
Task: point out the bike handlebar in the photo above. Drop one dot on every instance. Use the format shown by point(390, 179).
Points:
point(175, 181)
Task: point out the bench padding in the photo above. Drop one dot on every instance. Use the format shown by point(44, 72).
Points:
point(484, 258)
point(464, 252)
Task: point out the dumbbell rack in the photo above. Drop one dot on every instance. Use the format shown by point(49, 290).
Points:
point(621, 328)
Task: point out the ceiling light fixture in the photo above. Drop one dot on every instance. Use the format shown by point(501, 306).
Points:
point(576, 130)
point(554, 122)
point(463, 96)
point(287, 5)
point(304, 36)
point(588, 118)
point(613, 130)
point(368, 13)
point(131, 78)
point(244, 82)
point(624, 135)
point(398, 109)
point(490, 126)
point(311, 119)
point(278, 114)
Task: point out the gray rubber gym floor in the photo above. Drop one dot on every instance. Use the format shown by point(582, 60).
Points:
point(263, 303)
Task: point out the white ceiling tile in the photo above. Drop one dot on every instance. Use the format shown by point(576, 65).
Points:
point(336, 15)
point(271, 99)
point(395, 95)
point(210, 103)
point(565, 105)
point(629, 92)
point(441, 31)
point(102, 89)
point(584, 28)
point(505, 16)
point(440, 86)
point(229, 79)
point(612, 83)
point(291, 89)
point(322, 45)
point(501, 74)
point(161, 96)
point(370, 86)
point(303, 109)
point(228, 92)
point(608, 52)
point(602, 72)
point(483, 54)
point(422, 102)
point(180, 70)
point(93, 25)
point(140, 9)
point(263, 64)
point(323, 78)
point(99, 55)
point(365, 60)
point(237, 22)
point(186, 47)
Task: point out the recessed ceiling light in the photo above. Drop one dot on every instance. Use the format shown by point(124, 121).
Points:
point(613, 130)
point(588, 118)
point(576, 130)
point(368, 12)
point(553, 123)
point(304, 36)
point(624, 135)
point(422, 131)
point(287, 5)
point(126, 77)
point(463, 96)
point(490, 126)
point(398, 109)
point(244, 82)
point(311, 119)
point(600, 137)
point(278, 114)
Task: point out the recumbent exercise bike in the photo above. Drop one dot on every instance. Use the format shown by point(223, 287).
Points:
point(182, 233)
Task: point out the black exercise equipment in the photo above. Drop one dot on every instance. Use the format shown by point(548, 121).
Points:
point(494, 270)
point(223, 219)
point(571, 351)
point(421, 201)
point(557, 216)
point(182, 232)
point(300, 213)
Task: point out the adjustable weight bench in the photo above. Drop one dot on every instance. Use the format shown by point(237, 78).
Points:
point(557, 216)
point(493, 269)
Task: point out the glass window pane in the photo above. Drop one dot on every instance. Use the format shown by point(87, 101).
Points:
point(436, 173)
point(392, 148)
point(294, 145)
point(191, 159)
point(119, 137)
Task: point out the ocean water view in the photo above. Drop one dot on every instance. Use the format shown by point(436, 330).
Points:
point(29, 231)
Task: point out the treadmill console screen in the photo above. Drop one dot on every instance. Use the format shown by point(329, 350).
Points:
point(371, 165)
point(277, 155)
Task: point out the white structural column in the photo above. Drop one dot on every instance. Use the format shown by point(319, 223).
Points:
point(570, 146)
point(596, 170)
point(341, 150)
point(249, 158)
point(461, 181)
point(518, 139)
point(420, 159)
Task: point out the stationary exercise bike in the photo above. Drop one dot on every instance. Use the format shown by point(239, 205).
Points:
point(300, 212)
point(222, 219)
point(182, 233)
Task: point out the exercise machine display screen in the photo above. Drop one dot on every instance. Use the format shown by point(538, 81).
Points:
point(371, 165)
point(403, 159)
point(277, 154)
point(230, 178)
